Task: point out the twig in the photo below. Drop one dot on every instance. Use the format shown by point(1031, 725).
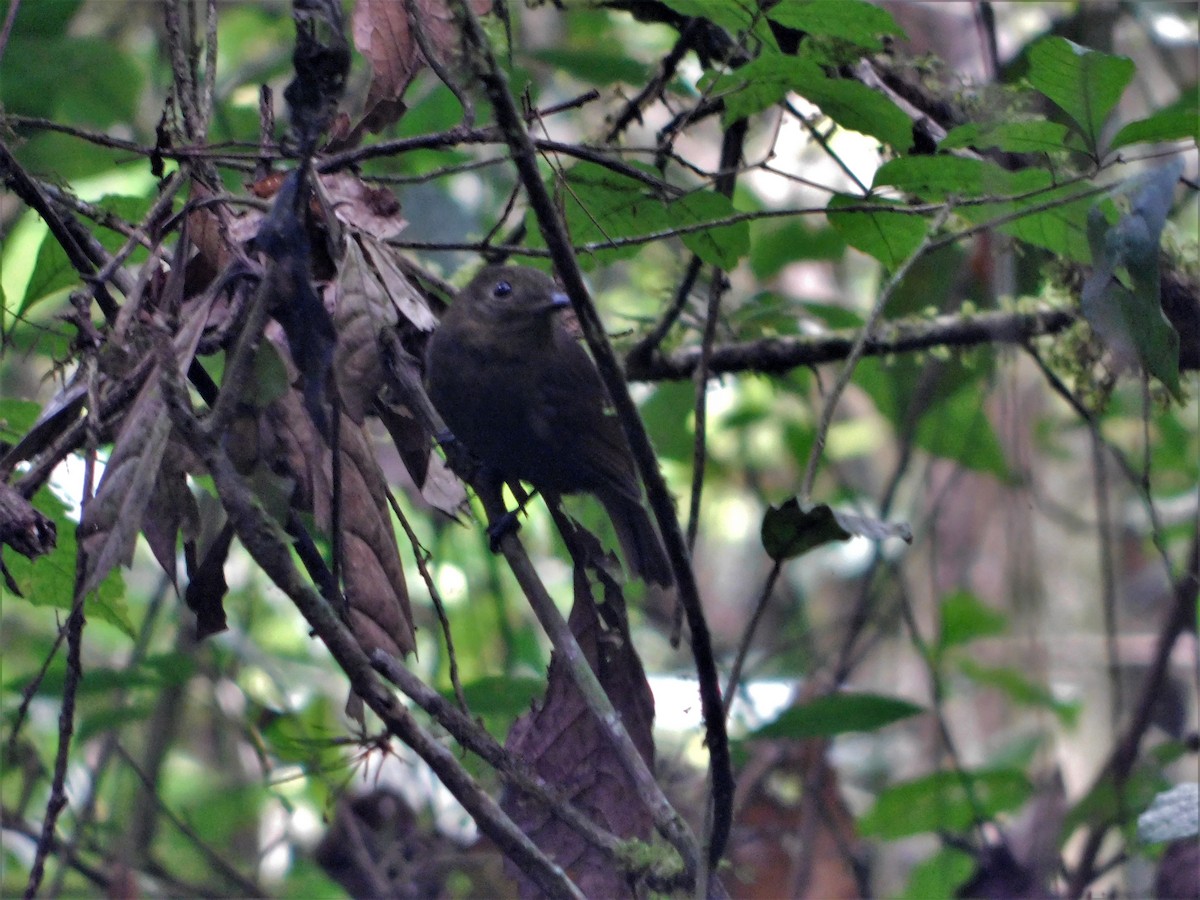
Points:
point(856, 353)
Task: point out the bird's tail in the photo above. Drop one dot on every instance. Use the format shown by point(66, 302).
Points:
point(640, 543)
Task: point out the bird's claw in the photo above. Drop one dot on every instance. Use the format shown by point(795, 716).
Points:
point(506, 524)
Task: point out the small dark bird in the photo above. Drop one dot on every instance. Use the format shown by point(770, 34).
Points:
point(525, 398)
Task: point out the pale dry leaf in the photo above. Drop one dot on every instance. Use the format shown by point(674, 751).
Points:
point(362, 311)
point(374, 575)
point(111, 520)
point(409, 301)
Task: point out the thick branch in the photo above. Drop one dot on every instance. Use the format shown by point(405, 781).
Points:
point(776, 355)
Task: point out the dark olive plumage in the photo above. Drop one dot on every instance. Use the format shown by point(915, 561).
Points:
point(525, 398)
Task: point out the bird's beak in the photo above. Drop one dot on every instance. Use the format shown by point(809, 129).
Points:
point(559, 300)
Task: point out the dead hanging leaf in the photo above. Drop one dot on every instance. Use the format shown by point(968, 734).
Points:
point(29, 532)
point(383, 35)
point(205, 595)
point(111, 520)
point(375, 589)
point(373, 210)
point(171, 508)
point(362, 312)
point(410, 302)
point(566, 745)
point(109, 527)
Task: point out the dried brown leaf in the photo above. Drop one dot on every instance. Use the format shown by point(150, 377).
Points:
point(363, 310)
point(374, 575)
point(111, 520)
point(109, 527)
point(170, 509)
point(373, 210)
point(382, 34)
point(565, 744)
point(410, 302)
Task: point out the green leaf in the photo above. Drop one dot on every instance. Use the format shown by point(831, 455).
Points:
point(774, 244)
point(52, 272)
point(1020, 689)
point(789, 530)
point(1038, 136)
point(735, 16)
point(99, 85)
point(939, 177)
point(1085, 84)
point(722, 246)
point(965, 618)
point(958, 429)
point(49, 581)
point(838, 714)
point(500, 695)
point(890, 237)
point(941, 802)
point(595, 66)
point(854, 21)
point(16, 418)
point(940, 876)
point(855, 106)
point(601, 205)
point(1178, 122)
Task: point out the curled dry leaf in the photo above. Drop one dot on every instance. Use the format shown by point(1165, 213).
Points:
point(383, 35)
point(410, 302)
point(373, 210)
point(29, 532)
point(565, 744)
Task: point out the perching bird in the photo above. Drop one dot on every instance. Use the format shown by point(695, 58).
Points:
point(525, 398)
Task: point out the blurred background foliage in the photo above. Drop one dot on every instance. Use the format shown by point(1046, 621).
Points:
point(993, 617)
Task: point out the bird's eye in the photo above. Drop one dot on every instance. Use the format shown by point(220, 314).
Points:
point(502, 289)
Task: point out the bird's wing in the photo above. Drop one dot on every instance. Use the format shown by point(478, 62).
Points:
point(578, 411)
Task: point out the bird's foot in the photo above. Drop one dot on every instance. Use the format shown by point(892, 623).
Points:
point(505, 524)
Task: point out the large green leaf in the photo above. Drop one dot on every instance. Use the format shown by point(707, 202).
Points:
point(938, 177)
point(722, 246)
point(735, 16)
point(838, 714)
point(1085, 84)
point(602, 205)
point(943, 802)
point(964, 618)
point(854, 21)
point(1179, 121)
point(1036, 136)
point(890, 237)
point(940, 876)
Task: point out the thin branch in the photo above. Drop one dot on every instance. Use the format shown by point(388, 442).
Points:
point(856, 352)
point(259, 536)
point(525, 158)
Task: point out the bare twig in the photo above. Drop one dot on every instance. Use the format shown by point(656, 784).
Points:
point(526, 160)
